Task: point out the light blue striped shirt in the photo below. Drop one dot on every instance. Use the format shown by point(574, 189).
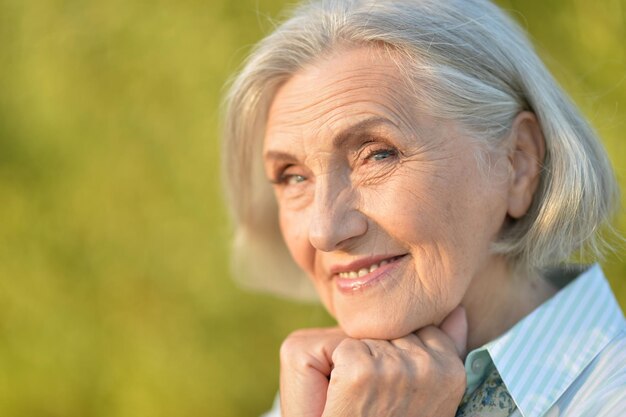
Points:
point(567, 358)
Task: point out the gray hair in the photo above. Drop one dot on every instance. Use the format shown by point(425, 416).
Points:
point(464, 60)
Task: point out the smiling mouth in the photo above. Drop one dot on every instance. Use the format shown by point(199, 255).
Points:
point(366, 270)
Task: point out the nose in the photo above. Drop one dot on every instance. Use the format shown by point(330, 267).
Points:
point(336, 220)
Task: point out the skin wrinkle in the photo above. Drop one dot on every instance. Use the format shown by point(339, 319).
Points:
point(427, 198)
point(432, 292)
point(340, 87)
point(424, 163)
point(345, 85)
point(443, 206)
point(339, 115)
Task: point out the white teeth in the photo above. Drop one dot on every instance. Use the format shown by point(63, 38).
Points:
point(363, 271)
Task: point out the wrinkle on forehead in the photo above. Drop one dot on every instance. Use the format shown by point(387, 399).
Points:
point(322, 97)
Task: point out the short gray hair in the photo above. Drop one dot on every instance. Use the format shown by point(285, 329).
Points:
point(466, 61)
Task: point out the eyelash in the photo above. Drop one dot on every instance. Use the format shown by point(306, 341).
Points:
point(391, 152)
point(281, 178)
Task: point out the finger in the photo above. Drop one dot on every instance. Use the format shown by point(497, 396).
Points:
point(331, 344)
point(312, 348)
point(350, 350)
point(305, 370)
point(450, 335)
point(408, 342)
point(377, 346)
point(455, 326)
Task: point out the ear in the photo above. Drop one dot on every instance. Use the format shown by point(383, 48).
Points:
point(526, 158)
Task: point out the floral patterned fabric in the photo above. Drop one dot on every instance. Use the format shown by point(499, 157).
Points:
point(489, 399)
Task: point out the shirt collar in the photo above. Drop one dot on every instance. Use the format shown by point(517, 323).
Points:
point(542, 355)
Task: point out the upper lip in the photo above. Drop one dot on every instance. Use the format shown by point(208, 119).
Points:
point(361, 263)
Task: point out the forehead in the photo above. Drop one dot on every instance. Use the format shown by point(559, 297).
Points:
point(349, 86)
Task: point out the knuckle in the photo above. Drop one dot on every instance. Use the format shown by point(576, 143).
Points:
point(426, 332)
point(421, 359)
point(306, 347)
point(353, 369)
point(293, 345)
point(427, 367)
point(344, 349)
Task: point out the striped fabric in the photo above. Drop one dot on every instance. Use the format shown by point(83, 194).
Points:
point(567, 358)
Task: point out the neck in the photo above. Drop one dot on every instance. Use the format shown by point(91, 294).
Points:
point(498, 298)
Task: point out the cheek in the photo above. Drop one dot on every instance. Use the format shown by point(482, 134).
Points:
point(294, 231)
point(417, 209)
point(446, 219)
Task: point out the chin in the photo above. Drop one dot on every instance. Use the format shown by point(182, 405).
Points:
point(367, 328)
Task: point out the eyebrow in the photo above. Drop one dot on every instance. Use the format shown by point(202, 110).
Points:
point(345, 136)
point(358, 129)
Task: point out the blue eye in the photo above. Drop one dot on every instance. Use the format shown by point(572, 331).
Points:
point(292, 179)
point(288, 175)
point(381, 154)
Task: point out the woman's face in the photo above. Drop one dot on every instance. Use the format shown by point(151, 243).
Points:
point(384, 207)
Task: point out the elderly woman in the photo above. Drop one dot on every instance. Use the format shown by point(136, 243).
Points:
point(416, 162)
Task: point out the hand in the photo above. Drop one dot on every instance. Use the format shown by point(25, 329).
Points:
point(325, 373)
point(305, 367)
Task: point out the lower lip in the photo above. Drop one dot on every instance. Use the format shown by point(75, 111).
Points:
point(350, 286)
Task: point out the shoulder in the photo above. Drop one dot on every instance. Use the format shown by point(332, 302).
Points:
point(609, 368)
point(600, 390)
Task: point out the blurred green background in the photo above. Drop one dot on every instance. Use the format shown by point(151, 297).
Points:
point(115, 296)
